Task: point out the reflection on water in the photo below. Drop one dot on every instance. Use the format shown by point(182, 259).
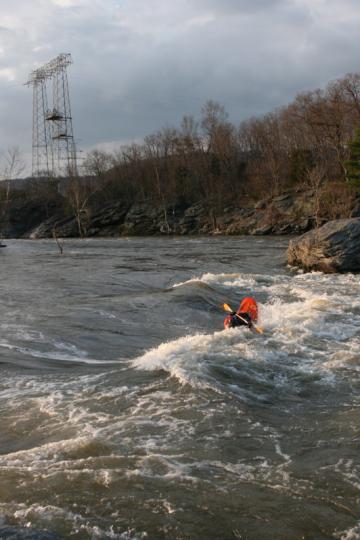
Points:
point(127, 412)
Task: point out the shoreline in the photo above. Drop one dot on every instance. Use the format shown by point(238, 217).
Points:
point(291, 213)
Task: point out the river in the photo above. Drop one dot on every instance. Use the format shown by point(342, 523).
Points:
point(127, 412)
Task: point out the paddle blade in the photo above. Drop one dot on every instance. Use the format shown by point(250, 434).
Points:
point(227, 308)
point(258, 329)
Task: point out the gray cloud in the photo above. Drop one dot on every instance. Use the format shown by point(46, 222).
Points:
point(139, 65)
point(239, 6)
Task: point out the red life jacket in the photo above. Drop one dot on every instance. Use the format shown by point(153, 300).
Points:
point(249, 305)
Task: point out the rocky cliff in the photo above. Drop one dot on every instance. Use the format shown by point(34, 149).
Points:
point(290, 213)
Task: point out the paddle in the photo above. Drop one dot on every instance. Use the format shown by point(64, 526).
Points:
point(258, 329)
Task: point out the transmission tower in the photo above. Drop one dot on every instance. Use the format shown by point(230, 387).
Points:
point(53, 145)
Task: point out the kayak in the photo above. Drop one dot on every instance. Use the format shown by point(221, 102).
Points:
point(246, 315)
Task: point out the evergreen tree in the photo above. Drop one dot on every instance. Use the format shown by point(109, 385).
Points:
point(353, 164)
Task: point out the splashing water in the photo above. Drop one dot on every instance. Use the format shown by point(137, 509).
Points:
point(128, 413)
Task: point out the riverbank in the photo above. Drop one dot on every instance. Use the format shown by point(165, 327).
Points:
point(292, 212)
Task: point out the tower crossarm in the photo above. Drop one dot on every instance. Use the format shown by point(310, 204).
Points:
point(48, 70)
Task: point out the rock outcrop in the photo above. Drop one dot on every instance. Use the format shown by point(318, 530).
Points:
point(290, 213)
point(25, 215)
point(334, 247)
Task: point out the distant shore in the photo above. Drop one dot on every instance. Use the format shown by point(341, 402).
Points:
point(292, 212)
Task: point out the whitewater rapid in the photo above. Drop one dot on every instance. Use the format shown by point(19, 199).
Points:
point(127, 412)
point(313, 329)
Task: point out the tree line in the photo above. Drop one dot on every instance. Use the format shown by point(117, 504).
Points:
point(305, 144)
point(312, 142)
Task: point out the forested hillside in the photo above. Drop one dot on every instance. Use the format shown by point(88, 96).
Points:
point(311, 144)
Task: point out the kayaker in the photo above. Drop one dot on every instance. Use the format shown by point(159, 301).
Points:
point(246, 315)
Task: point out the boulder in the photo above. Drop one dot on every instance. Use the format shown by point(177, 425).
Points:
point(334, 247)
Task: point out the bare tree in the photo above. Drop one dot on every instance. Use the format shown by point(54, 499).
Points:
point(11, 166)
point(78, 194)
point(214, 117)
point(59, 241)
point(350, 85)
point(159, 152)
point(316, 178)
point(97, 163)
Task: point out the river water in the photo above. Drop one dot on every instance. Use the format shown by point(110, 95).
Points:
point(127, 412)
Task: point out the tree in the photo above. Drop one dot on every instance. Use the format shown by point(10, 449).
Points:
point(351, 88)
point(11, 166)
point(316, 178)
point(159, 150)
point(353, 164)
point(97, 163)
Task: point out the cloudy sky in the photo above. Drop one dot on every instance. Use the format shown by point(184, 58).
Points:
point(142, 64)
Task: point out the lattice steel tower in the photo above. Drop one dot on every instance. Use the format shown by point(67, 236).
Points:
point(53, 145)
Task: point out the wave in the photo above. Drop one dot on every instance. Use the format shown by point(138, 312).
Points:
point(72, 522)
point(228, 280)
point(298, 347)
point(77, 356)
point(183, 358)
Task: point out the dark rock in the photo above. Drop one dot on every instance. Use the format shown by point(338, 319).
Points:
point(283, 197)
point(261, 205)
point(195, 210)
point(265, 229)
point(286, 228)
point(142, 219)
point(207, 228)
point(65, 228)
point(245, 212)
point(334, 247)
point(356, 210)
point(25, 215)
point(237, 228)
point(283, 202)
point(110, 215)
point(104, 223)
point(188, 225)
point(304, 225)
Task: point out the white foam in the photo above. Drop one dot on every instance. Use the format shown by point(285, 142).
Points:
point(279, 451)
point(300, 328)
point(184, 357)
point(228, 280)
point(76, 524)
point(350, 534)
